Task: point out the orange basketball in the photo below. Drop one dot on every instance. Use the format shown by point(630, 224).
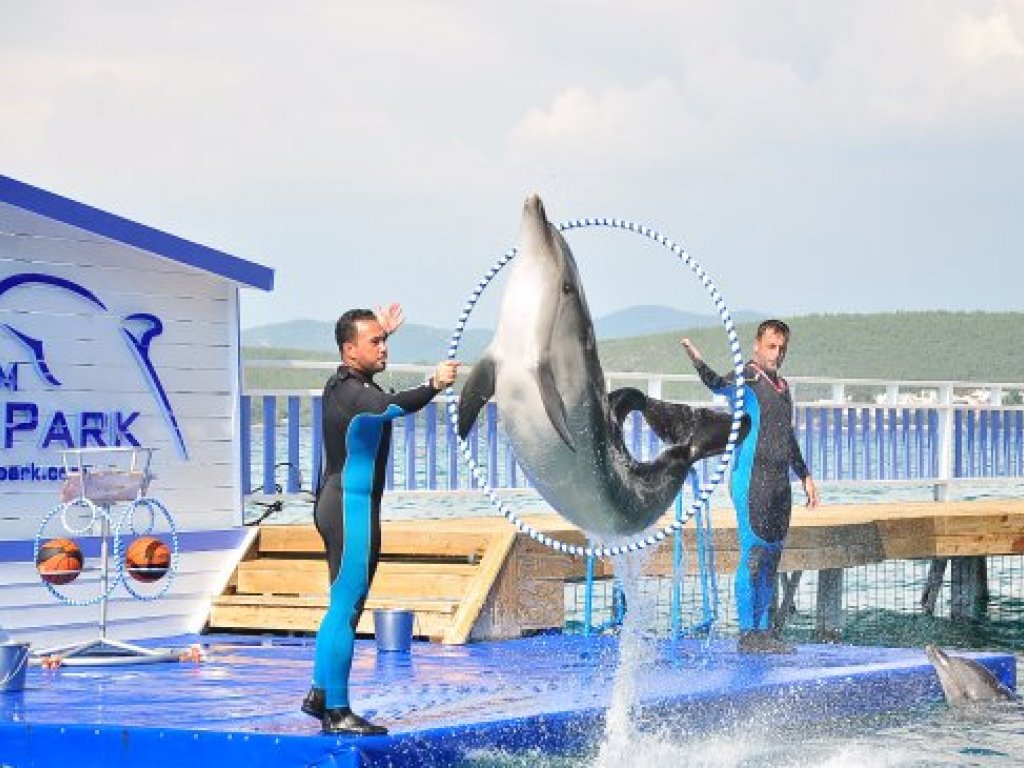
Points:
point(59, 561)
point(147, 559)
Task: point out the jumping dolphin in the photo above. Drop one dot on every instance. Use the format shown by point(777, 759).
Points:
point(965, 680)
point(543, 371)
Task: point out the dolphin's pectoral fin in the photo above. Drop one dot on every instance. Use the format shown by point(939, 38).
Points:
point(553, 405)
point(479, 388)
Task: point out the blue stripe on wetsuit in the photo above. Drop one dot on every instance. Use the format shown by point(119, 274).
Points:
point(754, 574)
point(759, 558)
point(335, 640)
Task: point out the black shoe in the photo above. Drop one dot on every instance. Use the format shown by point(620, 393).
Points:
point(315, 703)
point(762, 641)
point(343, 721)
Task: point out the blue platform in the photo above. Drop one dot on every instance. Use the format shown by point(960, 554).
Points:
point(240, 705)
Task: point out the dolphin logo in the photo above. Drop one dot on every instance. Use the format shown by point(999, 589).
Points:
point(543, 371)
point(965, 681)
point(138, 330)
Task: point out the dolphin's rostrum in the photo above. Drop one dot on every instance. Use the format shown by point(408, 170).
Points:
point(543, 371)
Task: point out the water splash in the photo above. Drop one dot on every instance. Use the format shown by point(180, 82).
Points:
point(635, 651)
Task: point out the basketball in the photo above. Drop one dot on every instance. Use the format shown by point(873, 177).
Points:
point(147, 559)
point(59, 561)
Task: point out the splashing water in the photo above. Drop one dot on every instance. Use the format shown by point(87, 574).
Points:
point(635, 650)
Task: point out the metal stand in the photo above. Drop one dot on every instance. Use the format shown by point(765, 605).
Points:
point(103, 650)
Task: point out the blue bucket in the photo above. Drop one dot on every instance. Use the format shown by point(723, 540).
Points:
point(393, 629)
point(13, 663)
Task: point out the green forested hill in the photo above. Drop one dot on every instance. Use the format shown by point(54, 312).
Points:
point(929, 346)
point(963, 346)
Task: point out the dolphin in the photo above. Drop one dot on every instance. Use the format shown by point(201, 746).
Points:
point(543, 371)
point(965, 681)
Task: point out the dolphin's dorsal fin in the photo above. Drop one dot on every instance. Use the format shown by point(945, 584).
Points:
point(479, 388)
point(553, 405)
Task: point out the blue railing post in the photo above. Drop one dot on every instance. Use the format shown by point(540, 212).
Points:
point(317, 458)
point(389, 472)
point(269, 443)
point(492, 445)
point(866, 417)
point(880, 435)
point(851, 441)
point(294, 470)
point(430, 440)
point(970, 444)
point(409, 445)
point(245, 429)
point(452, 455)
point(837, 440)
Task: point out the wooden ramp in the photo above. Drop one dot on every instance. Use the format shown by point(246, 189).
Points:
point(444, 574)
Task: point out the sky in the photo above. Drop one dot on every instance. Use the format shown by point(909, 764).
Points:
point(811, 156)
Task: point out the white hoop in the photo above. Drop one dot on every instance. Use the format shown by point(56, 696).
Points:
point(736, 405)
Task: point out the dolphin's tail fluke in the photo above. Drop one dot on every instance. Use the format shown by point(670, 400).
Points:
point(704, 432)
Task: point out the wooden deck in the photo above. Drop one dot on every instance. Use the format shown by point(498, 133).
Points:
point(479, 578)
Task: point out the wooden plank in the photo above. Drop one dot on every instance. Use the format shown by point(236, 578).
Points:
point(307, 619)
point(396, 539)
point(298, 577)
point(473, 601)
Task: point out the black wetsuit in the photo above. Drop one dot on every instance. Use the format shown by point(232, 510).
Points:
point(760, 486)
point(357, 418)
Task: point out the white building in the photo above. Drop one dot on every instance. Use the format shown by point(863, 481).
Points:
point(115, 334)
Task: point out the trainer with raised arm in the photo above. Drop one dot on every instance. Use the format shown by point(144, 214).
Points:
point(357, 417)
point(759, 483)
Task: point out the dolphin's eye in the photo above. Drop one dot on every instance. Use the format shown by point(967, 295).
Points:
point(567, 287)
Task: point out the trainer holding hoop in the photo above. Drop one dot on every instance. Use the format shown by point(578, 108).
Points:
point(760, 480)
point(357, 417)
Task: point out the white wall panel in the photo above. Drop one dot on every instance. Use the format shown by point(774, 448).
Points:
point(195, 357)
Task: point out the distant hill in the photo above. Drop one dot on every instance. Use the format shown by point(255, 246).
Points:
point(649, 319)
point(925, 346)
point(422, 343)
point(962, 346)
point(412, 344)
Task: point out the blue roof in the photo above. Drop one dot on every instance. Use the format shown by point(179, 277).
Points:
point(131, 233)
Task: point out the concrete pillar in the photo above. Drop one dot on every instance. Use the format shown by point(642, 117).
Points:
point(968, 580)
point(829, 615)
point(933, 586)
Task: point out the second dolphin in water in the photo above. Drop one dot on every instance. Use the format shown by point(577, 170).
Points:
point(965, 681)
point(543, 371)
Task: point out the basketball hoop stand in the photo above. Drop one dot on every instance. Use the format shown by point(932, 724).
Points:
point(98, 478)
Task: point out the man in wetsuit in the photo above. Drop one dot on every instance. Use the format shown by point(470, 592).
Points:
point(357, 416)
point(760, 480)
